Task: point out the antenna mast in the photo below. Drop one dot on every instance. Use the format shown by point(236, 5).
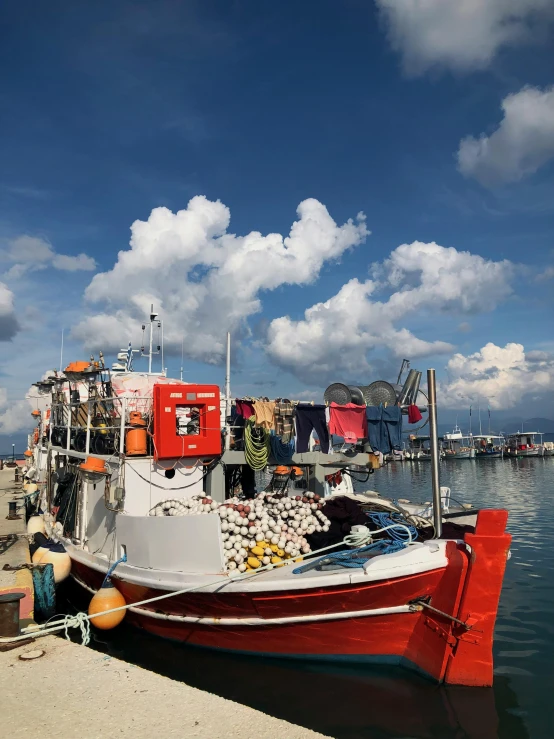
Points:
point(61, 354)
point(153, 320)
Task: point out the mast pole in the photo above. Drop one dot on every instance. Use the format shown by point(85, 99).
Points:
point(479, 409)
point(151, 337)
point(434, 444)
point(182, 355)
point(61, 354)
point(228, 392)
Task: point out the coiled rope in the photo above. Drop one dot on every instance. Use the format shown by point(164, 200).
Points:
point(256, 445)
point(404, 533)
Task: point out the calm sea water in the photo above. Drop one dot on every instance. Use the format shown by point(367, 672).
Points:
point(380, 704)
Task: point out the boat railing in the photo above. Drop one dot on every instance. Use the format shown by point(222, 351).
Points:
point(98, 425)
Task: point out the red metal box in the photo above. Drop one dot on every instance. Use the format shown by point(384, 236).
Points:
point(187, 421)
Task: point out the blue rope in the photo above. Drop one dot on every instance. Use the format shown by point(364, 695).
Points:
point(351, 558)
point(112, 568)
point(382, 520)
point(281, 451)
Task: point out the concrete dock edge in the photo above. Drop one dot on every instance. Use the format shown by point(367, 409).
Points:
point(74, 691)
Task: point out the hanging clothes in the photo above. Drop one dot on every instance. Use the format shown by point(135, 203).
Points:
point(384, 428)
point(245, 408)
point(374, 414)
point(414, 414)
point(284, 420)
point(348, 421)
point(264, 411)
point(310, 418)
point(391, 429)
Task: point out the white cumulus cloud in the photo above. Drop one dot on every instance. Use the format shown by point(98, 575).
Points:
point(14, 414)
point(461, 35)
point(523, 142)
point(503, 376)
point(334, 338)
point(9, 325)
point(31, 253)
point(202, 279)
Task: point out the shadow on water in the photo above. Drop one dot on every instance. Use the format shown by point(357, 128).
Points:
point(346, 703)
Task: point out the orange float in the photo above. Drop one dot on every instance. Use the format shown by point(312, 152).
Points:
point(106, 598)
point(135, 438)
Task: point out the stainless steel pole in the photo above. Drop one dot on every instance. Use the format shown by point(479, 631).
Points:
point(228, 393)
point(434, 440)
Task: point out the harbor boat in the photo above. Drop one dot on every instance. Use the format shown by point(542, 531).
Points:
point(525, 444)
point(418, 449)
point(457, 446)
point(548, 448)
point(489, 446)
point(139, 474)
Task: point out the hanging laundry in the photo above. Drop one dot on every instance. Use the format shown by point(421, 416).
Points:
point(264, 411)
point(284, 420)
point(414, 414)
point(374, 414)
point(391, 429)
point(245, 408)
point(384, 428)
point(310, 418)
point(348, 421)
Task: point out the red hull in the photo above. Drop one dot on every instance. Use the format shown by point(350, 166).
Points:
point(467, 589)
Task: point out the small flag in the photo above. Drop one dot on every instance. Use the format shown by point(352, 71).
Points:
point(470, 410)
point(129, 364)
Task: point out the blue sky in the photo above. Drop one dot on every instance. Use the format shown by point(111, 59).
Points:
point(109, 110)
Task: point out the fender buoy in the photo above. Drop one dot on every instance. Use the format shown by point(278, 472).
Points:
point(106, 598)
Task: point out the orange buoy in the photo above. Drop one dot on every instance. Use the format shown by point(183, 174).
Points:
point(94, 465)
point(27, 453)
point(135, 438)
point(77, 366)
point(35, 414)
point(106, 598)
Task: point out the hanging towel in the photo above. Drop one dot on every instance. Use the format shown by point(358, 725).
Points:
point(308, 418)
point(245, 408)
point(264, 411)
point(414, 414)
point(348, 421)
point(284, 420)
point(391, 429)
point(374, 414)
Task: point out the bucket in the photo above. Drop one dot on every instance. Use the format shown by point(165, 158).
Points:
point(9, 613)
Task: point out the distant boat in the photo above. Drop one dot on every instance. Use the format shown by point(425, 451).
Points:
point(458, 446)
point(489, 446)
point(548, 448)
point(418, 449)
point(525, 444)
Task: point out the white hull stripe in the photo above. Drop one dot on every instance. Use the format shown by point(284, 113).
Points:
point(252, 621)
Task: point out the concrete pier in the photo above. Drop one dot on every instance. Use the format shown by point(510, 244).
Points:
point(73, 691)
point(14, 552)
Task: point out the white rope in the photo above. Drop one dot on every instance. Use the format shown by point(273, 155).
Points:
point(79, 621)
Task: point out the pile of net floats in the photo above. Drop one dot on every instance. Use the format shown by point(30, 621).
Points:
point(265, 530)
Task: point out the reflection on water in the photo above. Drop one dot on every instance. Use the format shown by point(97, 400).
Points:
point(380, 703)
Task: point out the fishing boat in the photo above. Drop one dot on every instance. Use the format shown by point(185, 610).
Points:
point(418, 449)
point(548, 448)
point(139, 475)
point(489, 446)
point(525, 444)
point(457, 446)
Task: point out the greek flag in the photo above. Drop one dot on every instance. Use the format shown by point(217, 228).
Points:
point(129, 363)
